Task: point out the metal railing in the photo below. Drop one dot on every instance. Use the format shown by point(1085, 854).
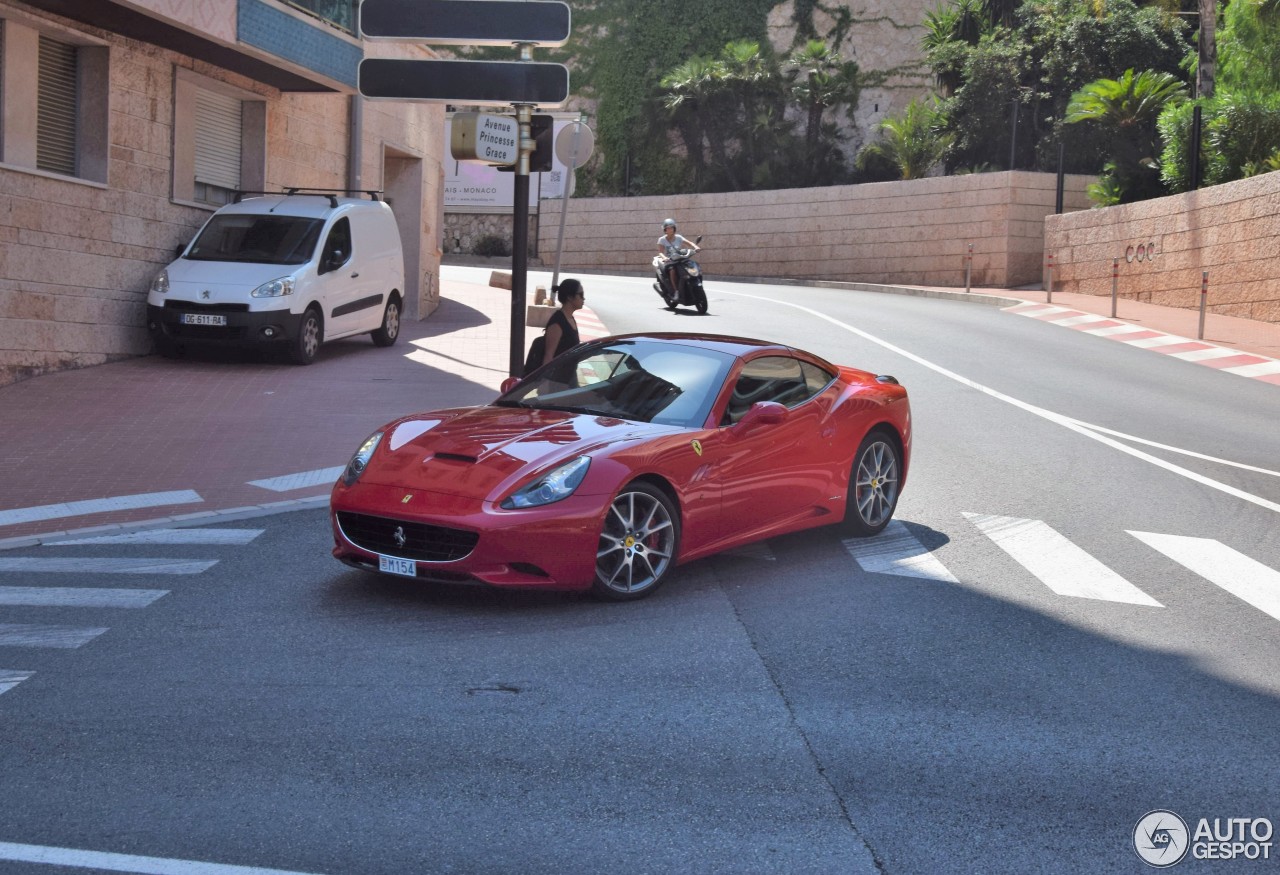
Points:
point(340, 13)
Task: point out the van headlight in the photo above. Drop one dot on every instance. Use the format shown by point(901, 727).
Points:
point(275, 289)
point(550, 487)
point(360, 460)
point(160, 285)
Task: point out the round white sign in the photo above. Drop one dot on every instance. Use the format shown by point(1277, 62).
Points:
point(586, 143)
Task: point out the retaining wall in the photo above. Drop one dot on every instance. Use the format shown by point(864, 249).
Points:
point(913, 232)
point(1230, 230)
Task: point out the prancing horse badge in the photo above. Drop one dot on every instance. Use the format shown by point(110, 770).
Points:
point(697, 447)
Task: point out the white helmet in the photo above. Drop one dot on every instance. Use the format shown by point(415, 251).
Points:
point(668, 223)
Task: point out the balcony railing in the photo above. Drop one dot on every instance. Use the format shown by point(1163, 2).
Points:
point(340, 13)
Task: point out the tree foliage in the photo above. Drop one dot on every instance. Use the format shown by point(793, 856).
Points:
point(1051, 49)
point(1125, 110)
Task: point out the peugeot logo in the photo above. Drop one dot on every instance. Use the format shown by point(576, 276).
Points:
point(399, 536)
point(205, 294)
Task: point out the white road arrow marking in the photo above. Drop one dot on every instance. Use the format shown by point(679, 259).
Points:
point(1243, 577)
point(1057, 562)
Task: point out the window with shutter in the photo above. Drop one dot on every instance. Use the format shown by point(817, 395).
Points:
point(57, 107)
point(218, 138)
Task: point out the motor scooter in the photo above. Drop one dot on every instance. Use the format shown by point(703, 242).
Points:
point(689, 291)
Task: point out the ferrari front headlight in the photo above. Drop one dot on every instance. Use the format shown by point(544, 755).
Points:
point(360, 460)
point(551, 487)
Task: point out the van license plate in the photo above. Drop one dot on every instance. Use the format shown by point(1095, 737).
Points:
point(202, 319)
point(402, 567)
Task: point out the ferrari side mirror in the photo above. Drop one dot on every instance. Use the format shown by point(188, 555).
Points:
point(508, 384)
point(761, 413)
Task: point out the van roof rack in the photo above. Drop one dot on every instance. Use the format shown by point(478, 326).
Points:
point(330, 193)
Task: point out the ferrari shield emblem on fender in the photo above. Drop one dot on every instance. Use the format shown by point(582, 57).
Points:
point(697, 447)
point(407, 498)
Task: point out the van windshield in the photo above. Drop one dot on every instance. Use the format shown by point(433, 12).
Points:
point(258, 239)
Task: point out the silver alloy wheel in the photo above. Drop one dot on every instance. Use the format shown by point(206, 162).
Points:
point(637, 542)
point(386, 333)
point(310, 335)
point(876, 483)
point(391, 321)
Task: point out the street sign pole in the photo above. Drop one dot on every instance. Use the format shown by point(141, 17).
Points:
point(520, 239)
point(564, 197)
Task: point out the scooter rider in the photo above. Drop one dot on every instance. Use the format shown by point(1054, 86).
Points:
point(669, 246)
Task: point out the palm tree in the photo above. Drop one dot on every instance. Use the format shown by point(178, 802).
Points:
point(914, 140)
point(1127, 109)
point(824, 79)
point(747, 75)
point(687, 87)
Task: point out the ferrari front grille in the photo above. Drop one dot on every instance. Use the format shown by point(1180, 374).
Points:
point(406, 540)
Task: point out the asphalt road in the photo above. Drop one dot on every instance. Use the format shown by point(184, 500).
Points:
point(783, 709)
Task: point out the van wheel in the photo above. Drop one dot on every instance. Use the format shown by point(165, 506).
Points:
point(307, 343)
point(390, 330)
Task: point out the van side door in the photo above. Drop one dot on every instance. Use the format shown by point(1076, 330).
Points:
point(349, 292)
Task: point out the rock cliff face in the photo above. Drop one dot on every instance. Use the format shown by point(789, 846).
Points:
point(883, 36)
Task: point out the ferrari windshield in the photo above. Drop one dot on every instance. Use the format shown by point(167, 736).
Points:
point(644, 380)
point(258, 239)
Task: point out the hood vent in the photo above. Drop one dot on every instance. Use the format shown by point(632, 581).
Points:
point(455, 457)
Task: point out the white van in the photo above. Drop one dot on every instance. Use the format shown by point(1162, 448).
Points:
point(292, 270)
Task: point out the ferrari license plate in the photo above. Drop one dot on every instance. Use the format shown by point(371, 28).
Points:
point(402, 567)
point(202, 319)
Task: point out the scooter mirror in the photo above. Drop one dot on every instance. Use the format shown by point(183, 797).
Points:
point(697, 239)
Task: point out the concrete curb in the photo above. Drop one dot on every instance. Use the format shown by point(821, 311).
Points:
point(985, 298)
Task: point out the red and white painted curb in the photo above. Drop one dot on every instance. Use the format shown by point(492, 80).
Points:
point(1231, 361)
point(589, 325)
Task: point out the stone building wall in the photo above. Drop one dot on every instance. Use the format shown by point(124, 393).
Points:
point(77, 256)
point(883, 36)
point(1165, 245)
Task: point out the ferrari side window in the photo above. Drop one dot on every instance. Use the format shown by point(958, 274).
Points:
point(815, 378)
point(771, 378)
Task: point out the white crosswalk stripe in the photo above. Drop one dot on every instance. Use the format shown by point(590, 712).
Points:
point(10, 678)
point(78, 597)
point(897, 551)
point(1057, 562)
point(1243, 577)
point(301, 480)
point(216, 537)
point(96, 505)
point(32, 635)
point(90, 565)
point(759, 551)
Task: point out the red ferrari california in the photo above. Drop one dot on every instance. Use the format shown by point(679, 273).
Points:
point(622, 458)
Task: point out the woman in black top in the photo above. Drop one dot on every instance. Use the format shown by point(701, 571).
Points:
point(562, 330)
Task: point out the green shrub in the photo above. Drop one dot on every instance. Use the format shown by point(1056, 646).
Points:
point(491, 245)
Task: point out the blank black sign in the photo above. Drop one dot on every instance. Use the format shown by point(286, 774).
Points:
point(467, 22)
point(475, 83)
